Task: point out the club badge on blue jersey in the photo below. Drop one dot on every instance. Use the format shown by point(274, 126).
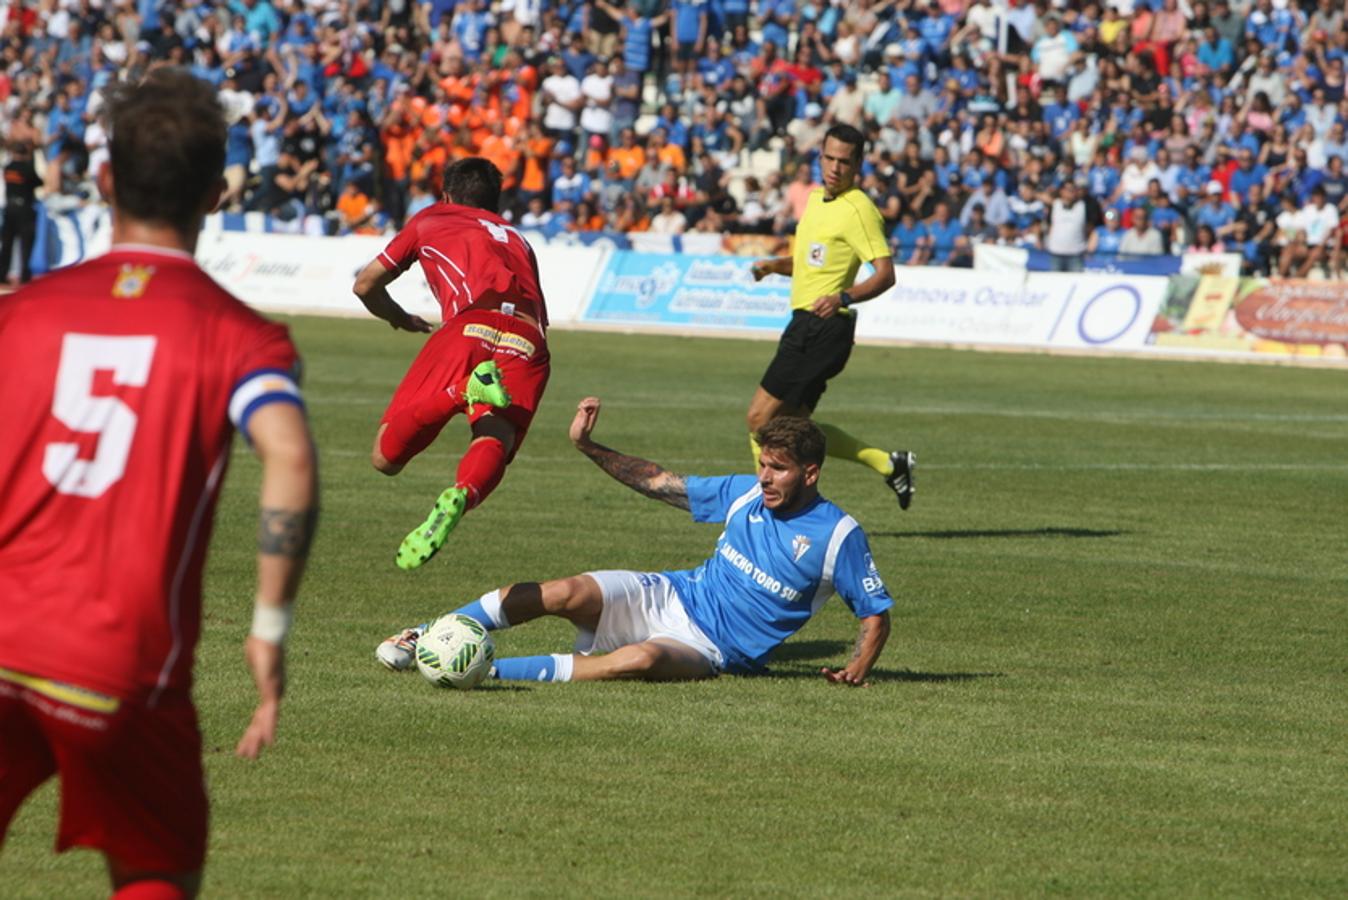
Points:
point(800, 545)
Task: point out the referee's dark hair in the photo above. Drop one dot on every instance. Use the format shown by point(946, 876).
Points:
point(475, 182)
point(851, 136)
point(798, 438)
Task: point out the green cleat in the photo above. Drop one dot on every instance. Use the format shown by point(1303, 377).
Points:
point(424, 542)
point(485, 385)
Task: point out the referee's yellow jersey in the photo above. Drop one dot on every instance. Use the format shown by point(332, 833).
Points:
point(834, 237)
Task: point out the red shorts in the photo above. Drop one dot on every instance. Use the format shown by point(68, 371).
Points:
point(459, 346)
point(131, 778)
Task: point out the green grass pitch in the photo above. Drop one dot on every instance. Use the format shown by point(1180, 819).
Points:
point(1119, 664)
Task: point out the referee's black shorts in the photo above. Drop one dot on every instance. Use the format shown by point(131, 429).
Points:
point(812, 350)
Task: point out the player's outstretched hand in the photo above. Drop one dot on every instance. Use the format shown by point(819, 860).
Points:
point(587, 414)
point(844, 676)
point(261, 731)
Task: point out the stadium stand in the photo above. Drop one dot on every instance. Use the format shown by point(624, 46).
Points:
point(1223, 119)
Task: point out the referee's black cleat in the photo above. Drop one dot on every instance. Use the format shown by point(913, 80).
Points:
point(901, 479)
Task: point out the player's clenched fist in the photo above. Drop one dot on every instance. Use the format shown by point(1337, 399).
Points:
point(587, 414)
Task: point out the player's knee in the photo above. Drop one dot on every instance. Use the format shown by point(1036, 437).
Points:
point(564, 596)
point(637, 660)
point(383, 465)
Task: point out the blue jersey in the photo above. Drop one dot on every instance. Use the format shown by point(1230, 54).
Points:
point(770, 573)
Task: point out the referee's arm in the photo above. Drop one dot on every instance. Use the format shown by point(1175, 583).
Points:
point(777, 265)
point(881, 280)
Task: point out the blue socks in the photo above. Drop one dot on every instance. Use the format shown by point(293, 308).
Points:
point(486, 610)
point(557, 667)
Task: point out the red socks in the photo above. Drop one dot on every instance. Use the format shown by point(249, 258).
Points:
point(481, 469)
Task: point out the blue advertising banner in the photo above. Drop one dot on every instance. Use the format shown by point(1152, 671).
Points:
point(1111, 263)
point(712, 292)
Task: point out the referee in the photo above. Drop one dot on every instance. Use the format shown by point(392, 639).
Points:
point(840, 229)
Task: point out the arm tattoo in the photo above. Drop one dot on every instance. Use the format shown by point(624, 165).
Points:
point(284, 532)
point(861, 639)
point(641, 475)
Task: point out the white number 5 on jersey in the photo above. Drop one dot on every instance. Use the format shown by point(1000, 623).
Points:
point(75, 406)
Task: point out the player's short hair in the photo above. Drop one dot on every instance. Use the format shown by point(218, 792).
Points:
point(850, 136)
point(798, 438)
point(167, 147)
point(473, 181)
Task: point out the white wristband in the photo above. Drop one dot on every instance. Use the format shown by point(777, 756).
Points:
point(271, 623)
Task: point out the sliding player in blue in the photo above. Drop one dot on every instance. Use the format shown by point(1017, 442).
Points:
point(784, 551)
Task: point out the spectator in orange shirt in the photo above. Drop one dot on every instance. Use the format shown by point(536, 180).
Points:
point(669, 155)
point(537, 155)
point(398, 132)
point(629, 155)
point(500, 149)
point(357, 210)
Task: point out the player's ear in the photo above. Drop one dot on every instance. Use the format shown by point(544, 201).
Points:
point(811, 474)
point(103, 178)
point(211, 202)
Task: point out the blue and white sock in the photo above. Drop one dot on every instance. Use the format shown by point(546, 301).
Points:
point(557, 667)
point(486, 610)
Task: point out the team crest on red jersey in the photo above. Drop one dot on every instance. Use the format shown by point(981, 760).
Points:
point(132, 280)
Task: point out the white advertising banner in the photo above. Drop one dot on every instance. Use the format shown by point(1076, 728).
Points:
point(293, 273)
point(962, 306)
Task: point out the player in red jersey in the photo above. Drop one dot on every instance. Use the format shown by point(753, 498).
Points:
point(122, 381)
point(489, 358)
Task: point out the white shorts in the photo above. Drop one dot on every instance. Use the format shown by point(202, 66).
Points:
point(639, 606)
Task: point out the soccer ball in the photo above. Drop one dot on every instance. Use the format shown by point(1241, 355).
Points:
point(455, 652)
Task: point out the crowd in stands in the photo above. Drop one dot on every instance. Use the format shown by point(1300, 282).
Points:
point(1105, 126)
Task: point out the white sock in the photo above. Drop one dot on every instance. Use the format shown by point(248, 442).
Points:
point(565, 666)
point(491, 605)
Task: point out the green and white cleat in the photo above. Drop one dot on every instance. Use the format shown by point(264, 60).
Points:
point(428, 537)
point(486, 386)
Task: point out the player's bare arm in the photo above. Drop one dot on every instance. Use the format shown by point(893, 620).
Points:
point(870, 641)
point(881, 280)
point(286, 522)
point(372, 288)
point(641, 475)
point(777, 265)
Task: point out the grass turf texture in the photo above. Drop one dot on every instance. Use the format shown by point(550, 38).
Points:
point(1117, 665)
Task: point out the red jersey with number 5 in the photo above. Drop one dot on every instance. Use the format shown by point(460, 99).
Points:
point(121, 383)
point(473, 259)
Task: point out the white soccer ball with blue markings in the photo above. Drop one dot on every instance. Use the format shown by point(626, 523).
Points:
point(455, 652)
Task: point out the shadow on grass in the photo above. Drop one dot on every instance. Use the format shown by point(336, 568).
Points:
point(1008, 533)
point(885, 675)
point(797, 651)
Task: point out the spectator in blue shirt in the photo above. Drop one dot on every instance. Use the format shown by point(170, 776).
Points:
point(947, 236)
point(910, 241)
point(1214, 212)
point(1246, 173)
point(1215, 52)
point(1107, 237)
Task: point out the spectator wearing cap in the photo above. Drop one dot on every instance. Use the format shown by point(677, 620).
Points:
point(1107, 237)
point(1214, 212)
point(808, 131)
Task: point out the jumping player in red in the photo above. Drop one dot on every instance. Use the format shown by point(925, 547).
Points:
point(489, 358)
point(123, 381)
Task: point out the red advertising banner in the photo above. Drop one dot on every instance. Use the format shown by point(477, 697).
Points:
point(1256, 316)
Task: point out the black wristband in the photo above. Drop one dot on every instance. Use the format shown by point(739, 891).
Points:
point(844, 299)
